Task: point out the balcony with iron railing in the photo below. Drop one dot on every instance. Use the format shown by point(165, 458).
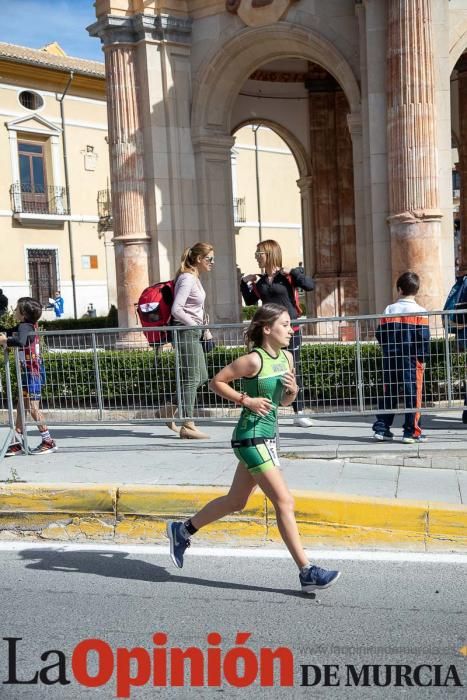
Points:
point(45, 202)
point(104, 210)
point(239, 210)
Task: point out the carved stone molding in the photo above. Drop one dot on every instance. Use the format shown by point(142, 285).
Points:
point(258, 13)
point(214, 143)
point(278, 76)
point(305, 183)
point(354, 122)
point(116, 29)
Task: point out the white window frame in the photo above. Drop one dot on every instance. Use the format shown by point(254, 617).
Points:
point(34, 124)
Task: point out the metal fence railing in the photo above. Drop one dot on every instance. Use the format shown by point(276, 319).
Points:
point(27, 198)
point(115, 376)
point(7, 426)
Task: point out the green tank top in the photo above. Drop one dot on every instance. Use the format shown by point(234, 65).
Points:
point(267, 383)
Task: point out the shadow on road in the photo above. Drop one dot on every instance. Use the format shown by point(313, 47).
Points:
point(117, 565)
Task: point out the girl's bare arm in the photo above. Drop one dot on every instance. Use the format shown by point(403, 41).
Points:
point(246, 366)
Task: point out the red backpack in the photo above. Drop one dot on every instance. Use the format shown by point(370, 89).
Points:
point(154, 308)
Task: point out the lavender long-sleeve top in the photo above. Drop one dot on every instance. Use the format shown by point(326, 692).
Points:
point(189, 296)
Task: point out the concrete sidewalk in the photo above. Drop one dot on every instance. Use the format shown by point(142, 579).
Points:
point(335, 455)
point(146, 472)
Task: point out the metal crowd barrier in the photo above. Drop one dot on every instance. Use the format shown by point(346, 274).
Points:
point(7, 424)
point(115, 376)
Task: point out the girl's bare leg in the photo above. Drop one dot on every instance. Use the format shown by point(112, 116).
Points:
point(243, 485)
point(274, 487)
point(37, 414)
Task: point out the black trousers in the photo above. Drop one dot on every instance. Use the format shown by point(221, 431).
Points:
point(294, 348)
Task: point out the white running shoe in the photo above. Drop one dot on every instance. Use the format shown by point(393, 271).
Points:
point(302, 421)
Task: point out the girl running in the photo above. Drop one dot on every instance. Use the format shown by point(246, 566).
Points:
point(269, 381)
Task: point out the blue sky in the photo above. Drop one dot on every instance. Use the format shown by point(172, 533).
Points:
point(34, 23)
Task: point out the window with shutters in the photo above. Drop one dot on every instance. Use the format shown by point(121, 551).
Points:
point(42, 264)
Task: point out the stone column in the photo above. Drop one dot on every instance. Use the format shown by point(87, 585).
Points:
point(333, 200)
point(165, 79)
point(131, 239)
point(348, 287)
point(462, 167)
point(213, 166)
point(359, 255)
point(305, 185)
point(415, 217)
point(325, 211)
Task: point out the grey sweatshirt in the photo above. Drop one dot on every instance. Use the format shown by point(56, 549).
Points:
point(188, 304)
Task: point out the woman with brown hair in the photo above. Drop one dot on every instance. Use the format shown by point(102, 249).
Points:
point(278, 285)
point(188, 310)
point(268, 381)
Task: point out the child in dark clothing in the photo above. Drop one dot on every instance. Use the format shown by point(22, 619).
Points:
point(404, 342)
point(28, 311)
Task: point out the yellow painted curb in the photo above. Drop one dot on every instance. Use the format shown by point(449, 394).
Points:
point(138, 513)
point(57, 498)
point(446, 524)
point(142, 512)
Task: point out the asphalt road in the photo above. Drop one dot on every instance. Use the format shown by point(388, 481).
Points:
point(379, 613)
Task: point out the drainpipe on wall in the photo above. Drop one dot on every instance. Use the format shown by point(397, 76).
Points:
point(67, 185)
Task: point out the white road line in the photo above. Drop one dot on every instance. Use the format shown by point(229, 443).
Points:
point(252, 553)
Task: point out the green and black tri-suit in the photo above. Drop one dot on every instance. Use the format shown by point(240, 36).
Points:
point(254, 436)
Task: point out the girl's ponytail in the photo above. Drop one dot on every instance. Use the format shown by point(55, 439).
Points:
point(190, 255)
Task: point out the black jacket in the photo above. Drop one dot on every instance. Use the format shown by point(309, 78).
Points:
point(3, 304)
point(279, 291)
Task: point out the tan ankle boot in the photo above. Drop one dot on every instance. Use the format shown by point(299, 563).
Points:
point(189, 431)
point(169, 411)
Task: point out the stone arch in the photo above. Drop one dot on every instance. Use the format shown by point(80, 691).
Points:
point(457, 47)
point(297, 148)
point(216, 86)
point(226, 68)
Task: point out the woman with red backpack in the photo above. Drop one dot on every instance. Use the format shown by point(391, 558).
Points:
point(278, 285)
point(188, 312)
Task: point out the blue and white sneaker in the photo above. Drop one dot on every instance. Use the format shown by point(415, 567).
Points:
point(314, 577)
point(383, 435)
point(408, 439)
point(178, 543)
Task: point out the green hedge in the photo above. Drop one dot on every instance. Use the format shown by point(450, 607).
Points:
point(141, 378)
point(83, 323)
point(248, 311)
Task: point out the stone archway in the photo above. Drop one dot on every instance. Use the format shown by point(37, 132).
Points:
point(225, 69)
point(294, 182)
point(304, 184)
point(297, 148)
point(215, 89)
point(458, 45)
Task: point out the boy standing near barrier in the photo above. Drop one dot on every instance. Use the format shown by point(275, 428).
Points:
point(404, 341)
point(24, 336)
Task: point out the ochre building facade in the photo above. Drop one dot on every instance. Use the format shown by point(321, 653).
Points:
point(369, 96)
point(54, 178)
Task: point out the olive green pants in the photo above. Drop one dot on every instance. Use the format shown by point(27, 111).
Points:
point(193, 371)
